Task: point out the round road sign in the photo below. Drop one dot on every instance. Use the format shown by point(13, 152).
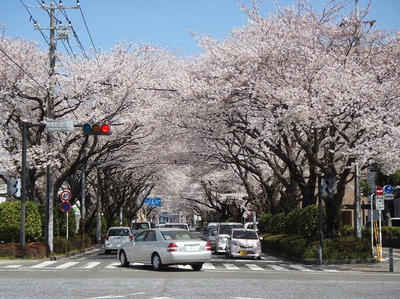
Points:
point(65, 206)
point(379, 190)
point(388, 189)
point(65, 195)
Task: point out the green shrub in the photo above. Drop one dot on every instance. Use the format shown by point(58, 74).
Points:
point(308, 222)
point(10, 224)
point(278, 223)
point(347, 230)
point(264, 223)
point(77, 242)
point(60, 222)
point(293, 222)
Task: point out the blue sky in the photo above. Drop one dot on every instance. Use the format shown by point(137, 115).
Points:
point(161, 22)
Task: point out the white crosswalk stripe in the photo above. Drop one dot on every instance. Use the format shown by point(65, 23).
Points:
point(113, 265)
point(214, 266)
point(13, 266)
point(278, 268)
point(208, 266)
point(254, 267)
point(66, 265)
point(231, 267)
point(301, 268)
point(91, 265)
point(44, 264)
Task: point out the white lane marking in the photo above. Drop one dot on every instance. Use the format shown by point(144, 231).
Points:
point(12, 266)
point(330, 270)
point(231, 267)
point(66, 265)
point(113, 265)
point(44, 264)
point(185, 267)
point(301, 268)
point(278, 268)
point(137, 264)
point(208, 266)
point(91, 265)
point(254, 267)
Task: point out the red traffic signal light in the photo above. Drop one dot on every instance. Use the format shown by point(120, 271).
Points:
point(97, 129)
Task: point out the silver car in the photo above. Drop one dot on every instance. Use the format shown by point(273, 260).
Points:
point(116, 236)
point(165, 246)
point(223, 233)
point(244, 243)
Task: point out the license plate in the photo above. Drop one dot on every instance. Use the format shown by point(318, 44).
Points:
point(191, 248)
point(243, 252)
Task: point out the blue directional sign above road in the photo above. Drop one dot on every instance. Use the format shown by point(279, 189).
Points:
point(153, 201)
point(388, 189)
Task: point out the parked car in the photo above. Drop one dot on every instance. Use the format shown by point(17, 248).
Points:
point(115, 237)
point(139, 226)
point(177, 225)
point(244, 243)
point(251, 225)
point(212, 237)
point(224, 230)
point(165, 246)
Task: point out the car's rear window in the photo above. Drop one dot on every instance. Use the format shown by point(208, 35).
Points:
point(118, 232)
point(183, 226)
point(137, 226)
point(177, 235)
point(241, 234)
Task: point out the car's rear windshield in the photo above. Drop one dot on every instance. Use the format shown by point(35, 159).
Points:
point(183, 226)
point(118, 232)
point(138, 226)
point(177, 235)
point(241, 234)
point(227, 229)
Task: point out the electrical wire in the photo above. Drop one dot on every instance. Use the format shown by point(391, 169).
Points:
point(87, 29)
point(32, 18)
point(22, 69)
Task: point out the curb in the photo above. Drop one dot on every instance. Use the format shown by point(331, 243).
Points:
point(75, 253)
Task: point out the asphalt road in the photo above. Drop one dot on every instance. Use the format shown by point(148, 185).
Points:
point(96, 275)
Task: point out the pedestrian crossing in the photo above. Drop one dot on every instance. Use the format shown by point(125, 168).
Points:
point(107, 265)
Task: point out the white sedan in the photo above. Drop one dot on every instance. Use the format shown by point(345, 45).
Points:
point(165, 246)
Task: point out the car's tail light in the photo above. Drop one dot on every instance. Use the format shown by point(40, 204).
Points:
point(107, 238)
point(208, 247)
point(130, 237)
point(172, 247)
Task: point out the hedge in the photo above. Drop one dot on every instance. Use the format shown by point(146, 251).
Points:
point(297, 246)
point(298, 221)
point(77, 242)
point(10, 224)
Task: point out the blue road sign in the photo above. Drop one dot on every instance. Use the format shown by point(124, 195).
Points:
point(153, 201)
point(388, 189)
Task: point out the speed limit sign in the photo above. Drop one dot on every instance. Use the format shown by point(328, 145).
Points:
point(65, 195)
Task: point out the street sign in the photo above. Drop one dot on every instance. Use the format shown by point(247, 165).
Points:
point(388, 189)
point(59, 125)
point(379, 203)
point(65, 195)
point(65, 206)
point(153, 201)
point(389, 196)
point(379, 190)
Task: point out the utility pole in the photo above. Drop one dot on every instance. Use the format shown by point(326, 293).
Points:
point(357, 191)
point(62, 33)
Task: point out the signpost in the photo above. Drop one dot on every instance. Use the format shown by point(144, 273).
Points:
point(380, 205)
point(153, 201)
point(59, 126)
point(65, 196)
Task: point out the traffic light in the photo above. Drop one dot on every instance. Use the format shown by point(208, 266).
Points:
point(14, 187)
point(329, 186)
point(97, 129)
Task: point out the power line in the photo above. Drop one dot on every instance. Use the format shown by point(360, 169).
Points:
point(32, 18)
point(87, 28)
point(29, 75)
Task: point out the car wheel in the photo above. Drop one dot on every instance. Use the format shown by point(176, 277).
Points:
point(156, 262)
point(197, 267)
point(123, 259)
point(106, 251)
